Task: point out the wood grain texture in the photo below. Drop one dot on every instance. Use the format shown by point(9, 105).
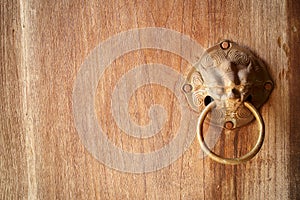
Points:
point(43, 44)
point(13, 155)
point(294, 72)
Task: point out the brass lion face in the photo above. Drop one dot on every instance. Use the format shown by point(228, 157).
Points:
point(228, 74)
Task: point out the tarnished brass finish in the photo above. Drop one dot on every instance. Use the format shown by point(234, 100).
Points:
point(229, 75)
point(231, 161)
point(228, 85)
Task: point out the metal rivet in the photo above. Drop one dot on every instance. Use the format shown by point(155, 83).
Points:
point(268, 86)
point(229, 125)
point(225, 45)
point(187, 88)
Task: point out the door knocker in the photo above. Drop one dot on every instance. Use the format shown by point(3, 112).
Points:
point(228, 84)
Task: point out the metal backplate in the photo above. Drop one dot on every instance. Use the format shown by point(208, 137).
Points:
point(229, 75)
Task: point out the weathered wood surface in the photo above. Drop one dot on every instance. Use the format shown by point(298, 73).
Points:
point(294, 82)
point(43, 44)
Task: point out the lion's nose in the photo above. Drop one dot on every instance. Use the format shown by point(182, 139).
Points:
point(233, 93)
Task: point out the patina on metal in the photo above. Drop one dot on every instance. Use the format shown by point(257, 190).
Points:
point(231, 83)
point(232, 161)
point(229, 75)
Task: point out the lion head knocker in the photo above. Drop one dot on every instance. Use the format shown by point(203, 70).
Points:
point(230, 84)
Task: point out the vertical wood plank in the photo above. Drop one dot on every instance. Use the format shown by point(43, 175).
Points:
point(293, 49)
point(13, 163)
point(43, 46)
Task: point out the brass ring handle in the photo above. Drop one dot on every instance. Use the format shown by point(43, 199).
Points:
point(232, 161)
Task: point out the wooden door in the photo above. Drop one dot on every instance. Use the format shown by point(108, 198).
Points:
point(44, 44)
